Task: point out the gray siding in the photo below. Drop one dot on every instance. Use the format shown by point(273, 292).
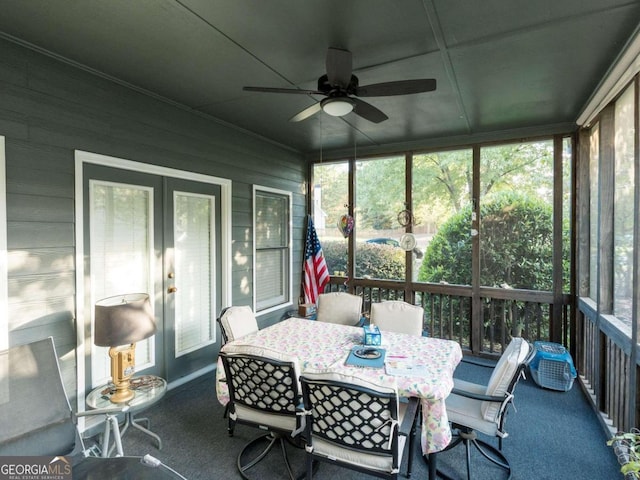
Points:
point(49, 109)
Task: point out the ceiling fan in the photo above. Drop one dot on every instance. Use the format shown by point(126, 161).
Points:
point(341, 89)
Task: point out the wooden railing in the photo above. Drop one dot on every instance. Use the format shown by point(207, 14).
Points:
point(604, 362)
point(449, 311)
point(600, 346)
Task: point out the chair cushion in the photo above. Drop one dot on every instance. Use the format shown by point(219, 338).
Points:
point(397, 316)
point(371, 461)
point(334, 376)
point(339, 307)
point(238, 322)
point(514, 355)
point(266, 420)
point(468, 411)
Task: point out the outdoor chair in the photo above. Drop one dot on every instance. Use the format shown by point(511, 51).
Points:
point(357, 425)
point(236, 322)
point(37, 420)
point(340, 307)
point(264, 393)
point(474, 408)
point(397, 316)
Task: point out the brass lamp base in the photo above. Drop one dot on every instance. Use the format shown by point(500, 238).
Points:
point(122, 369)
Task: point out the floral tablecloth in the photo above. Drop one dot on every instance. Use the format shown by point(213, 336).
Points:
point(320, 345)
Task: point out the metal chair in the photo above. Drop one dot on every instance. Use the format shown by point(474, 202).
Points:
point(357, 424)
point(236, 322)
point(474, 408)
point(340, 307)
point(37, 419)
point(397, 316)
point(264, 393)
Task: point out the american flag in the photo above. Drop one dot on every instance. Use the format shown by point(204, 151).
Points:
point(316, 273)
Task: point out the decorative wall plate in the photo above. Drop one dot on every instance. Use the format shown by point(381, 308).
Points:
point(408, 241)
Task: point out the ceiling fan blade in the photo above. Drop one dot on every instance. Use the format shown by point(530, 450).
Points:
point(281, 90)
point(401, 87)
point(339, 67)
point(306, 113)
point(368, 111)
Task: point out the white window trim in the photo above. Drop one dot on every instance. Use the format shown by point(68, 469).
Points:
point(626, 66)
point(289, 195)
point(82, 158)
point(4, 268)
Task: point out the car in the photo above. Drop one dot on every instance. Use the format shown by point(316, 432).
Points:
point(384, 241)
point(393, 243)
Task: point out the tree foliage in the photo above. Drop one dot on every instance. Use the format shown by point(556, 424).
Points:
point(380, 192)
point(516, 239)
point(516, 228)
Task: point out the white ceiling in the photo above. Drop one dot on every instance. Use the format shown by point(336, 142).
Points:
point(500, 65)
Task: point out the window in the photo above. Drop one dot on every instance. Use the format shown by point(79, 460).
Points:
point(441, 194)
point(380, 197)
point(516, 215)
point(567, 206)
point(330, 200)
point(272, 243)
point(594, 159)
point(624, 207)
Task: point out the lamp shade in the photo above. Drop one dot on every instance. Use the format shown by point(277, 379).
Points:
point(123, 319)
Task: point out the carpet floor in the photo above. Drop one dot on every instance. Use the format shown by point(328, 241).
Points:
point(552, 435)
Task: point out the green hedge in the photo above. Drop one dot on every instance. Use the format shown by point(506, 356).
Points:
point(373, 260)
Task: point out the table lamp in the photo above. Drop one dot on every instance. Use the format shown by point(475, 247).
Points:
point(120, 322)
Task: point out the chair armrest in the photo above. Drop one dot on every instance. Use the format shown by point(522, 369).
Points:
point(409, 416)
point(477, 396)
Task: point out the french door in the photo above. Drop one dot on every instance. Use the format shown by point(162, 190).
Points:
point(148, 233)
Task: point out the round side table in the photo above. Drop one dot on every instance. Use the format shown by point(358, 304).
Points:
point(148, 390)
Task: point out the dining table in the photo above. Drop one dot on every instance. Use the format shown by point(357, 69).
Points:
point(428, 374)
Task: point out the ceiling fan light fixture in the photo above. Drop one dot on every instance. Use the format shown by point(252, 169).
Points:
point(337, 106)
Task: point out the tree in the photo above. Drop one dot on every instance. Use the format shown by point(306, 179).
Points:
point(442, 182)
point(380, 187)
point(516, 238)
